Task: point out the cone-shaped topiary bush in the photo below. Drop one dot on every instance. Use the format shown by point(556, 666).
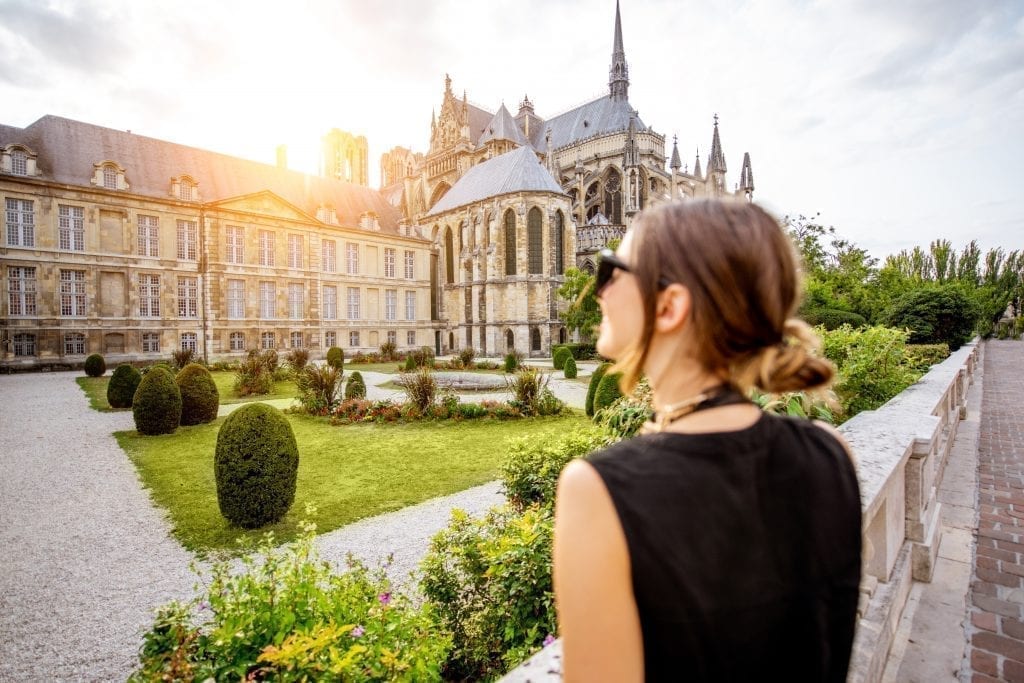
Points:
point(95, 366)
point(255, 464)
point(561, 354)
point(156, 406)
point(335, 357)
point(355, 387)
point(569, 367)
point(410, 363)
point(608, 391)
point(595, 380)
point(122, 386)
point(199, 397)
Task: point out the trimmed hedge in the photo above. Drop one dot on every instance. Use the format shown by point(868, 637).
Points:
point(199, 397)
point(833, 318)
point(935, 315)
point(355, 387)
point(578, 351)
point(256, 466)
point(156, 406)
point(95, 366)
point(335, 357)
point(608, 391)
point(569, 368)
point(559, 357)
point(123, 384)
point(595, 380)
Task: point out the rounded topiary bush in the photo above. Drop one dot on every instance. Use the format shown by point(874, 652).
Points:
point(569, 367)
point(355, 387)
point(156, 406)
point(608, 391)
point(595, 380)
point(95, 366)
point(122, 386)
point(561, 354)
point(199, 396)
point(335, 357)
point(255, 464)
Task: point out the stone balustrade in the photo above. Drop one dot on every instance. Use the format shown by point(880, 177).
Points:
point(901, 452)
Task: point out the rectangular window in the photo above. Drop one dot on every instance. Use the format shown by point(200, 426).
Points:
point(410, 305)
point(390, 256)
point(295, 297)
point(21, 285)
point(188, 239)
point(410, 265)
point(151, 342)
point(353, 303)
point(392, 337)
point(267, 340)
point(234, 237)
point(294, 251)
point(352, 259)
point(72, 292)
point(74, 344)
point(188, 297)
point(266, 248)
point(24, 344)
point(410, 337)
point(328, 255)
point(149, 236)
point(390, 304)
point(109, 177)
point(268, 301)
point(19, 162)
point(21, 223)
point(149, 296)
point(296, 340)
point(236, 299)
point(353, 339)
point(236, 341)
point(189, 342)
point(330, 306)
point(330, 339)
point(71, 227)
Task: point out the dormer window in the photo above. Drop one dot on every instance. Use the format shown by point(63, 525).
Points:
point(18, 160)
point(185, 188)
point(109, 175)
point(368, 221)
point(326, 214)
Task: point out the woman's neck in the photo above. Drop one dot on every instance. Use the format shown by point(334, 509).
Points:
point(679, 382)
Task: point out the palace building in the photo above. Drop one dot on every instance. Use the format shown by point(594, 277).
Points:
point(132, 247)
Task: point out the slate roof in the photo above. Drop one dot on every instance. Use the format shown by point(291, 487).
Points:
point(67, 151)
point(478, 121)
point(503, 127)
point(601, 116)
point(515, 171)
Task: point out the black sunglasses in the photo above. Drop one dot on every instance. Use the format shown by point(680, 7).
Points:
point(607, 264)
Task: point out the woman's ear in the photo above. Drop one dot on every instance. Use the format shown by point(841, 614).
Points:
point(672, 309)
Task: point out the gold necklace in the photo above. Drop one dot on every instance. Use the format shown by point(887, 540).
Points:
point(663, 418)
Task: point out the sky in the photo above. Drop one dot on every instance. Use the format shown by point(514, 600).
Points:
point(895, 122)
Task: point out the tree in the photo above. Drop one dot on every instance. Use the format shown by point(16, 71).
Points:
point(583, 313)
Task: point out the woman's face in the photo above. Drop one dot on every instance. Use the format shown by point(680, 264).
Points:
point(622, 314)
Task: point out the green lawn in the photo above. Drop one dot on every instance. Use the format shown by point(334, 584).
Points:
point(95, 389)
point(348, 472)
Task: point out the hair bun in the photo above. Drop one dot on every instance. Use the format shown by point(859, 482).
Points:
point(790, 365)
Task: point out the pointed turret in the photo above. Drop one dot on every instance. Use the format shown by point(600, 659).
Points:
point(696, 167)
point(618, 74)
point(503, 127)
point(676, 163)
point(716, 160)
point(747, 177)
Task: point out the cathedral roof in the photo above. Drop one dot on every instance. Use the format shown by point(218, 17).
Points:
point(69, 149)
point(603, 115)
point(479, 118)
point(503, 127)
point(515, 171)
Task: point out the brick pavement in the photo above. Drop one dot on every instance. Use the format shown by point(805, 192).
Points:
point(996, 599)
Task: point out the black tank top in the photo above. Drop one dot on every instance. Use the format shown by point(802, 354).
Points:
point(745, 549)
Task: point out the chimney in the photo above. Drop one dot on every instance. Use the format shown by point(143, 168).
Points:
point(282, 157)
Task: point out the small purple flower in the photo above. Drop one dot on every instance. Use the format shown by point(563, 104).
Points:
point(204, 605)
point(550, 639)
point(385, 598)
point(357, 631)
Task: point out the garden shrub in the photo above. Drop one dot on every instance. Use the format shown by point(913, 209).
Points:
point(255, 465)
point(122, 386)
point(871, 365)
point(529, 474)
point(607, 392)
point(410, 363)
point(489, 581)
point(595, 381)
point(466, 357)
point(627, 414)
point(935, 315)
point(355, 387)
point(182, 357)
point(199, 397)
point(424, 356)
point(513, 359)
point(578, 351)
point(297, 359)
point(805, 404)
point(559, 357)
point(156, 405)
point(832, 318)
point(531, 395)
point(420, 387)
point(169, 367)
point(95, 366)
point(921, 357)
point(388, 351)
point(335, 357)
point(289, 616)
point(569, 368)
point(319, 387)
point(268, 358)
point(253, 376)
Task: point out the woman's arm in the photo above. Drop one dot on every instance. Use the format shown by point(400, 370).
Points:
point(597, 614)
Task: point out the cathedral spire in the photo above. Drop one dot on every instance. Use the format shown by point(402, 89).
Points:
point(676, 161)
point(747, 177)
point(696, 167)
point(618, 74)
point(716, 160)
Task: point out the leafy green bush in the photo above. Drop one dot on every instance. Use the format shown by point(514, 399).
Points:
point(388, 351)
point(319, 387)
point(355, 387)
point(921, 357)
point(569, 368)
point(799, 404)
point(578, 351)
point(595, 381)
point(529, 474)
point(871, 364)
point(289, 616)
point(199, 397)
point(531, 395)
point(182, 357)
point(335, 357)
point(410, 363)
point(255, 466)
point(253, 376)
point(122, 386)
point(466, 357)
point(513, 359)
point(95, 366)
point(420, 387)
point(489, 581)
point(156, 406)
point(559, 357)
point(424, 356)
point(935, 315)
point(831, 318)
point(607, 392)
point(297, 360)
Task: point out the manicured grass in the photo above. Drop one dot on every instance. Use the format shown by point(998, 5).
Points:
point(95, 389)
point(348, 472)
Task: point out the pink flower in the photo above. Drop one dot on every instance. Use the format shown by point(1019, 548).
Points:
point(357, 631)
point(385, 598)
point(550, 639)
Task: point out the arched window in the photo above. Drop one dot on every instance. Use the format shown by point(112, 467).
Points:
point(588, 267)
point(449, 256)
point(613, 197)
point(19, 162)
point(535, 241)
point(557, 241)
point(562, 336)
point(510, 340)
point(510, 242)
point(535, 339)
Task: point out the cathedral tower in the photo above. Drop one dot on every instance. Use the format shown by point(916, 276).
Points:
point(618, 74)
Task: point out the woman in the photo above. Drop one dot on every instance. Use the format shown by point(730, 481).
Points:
point(724, 542)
